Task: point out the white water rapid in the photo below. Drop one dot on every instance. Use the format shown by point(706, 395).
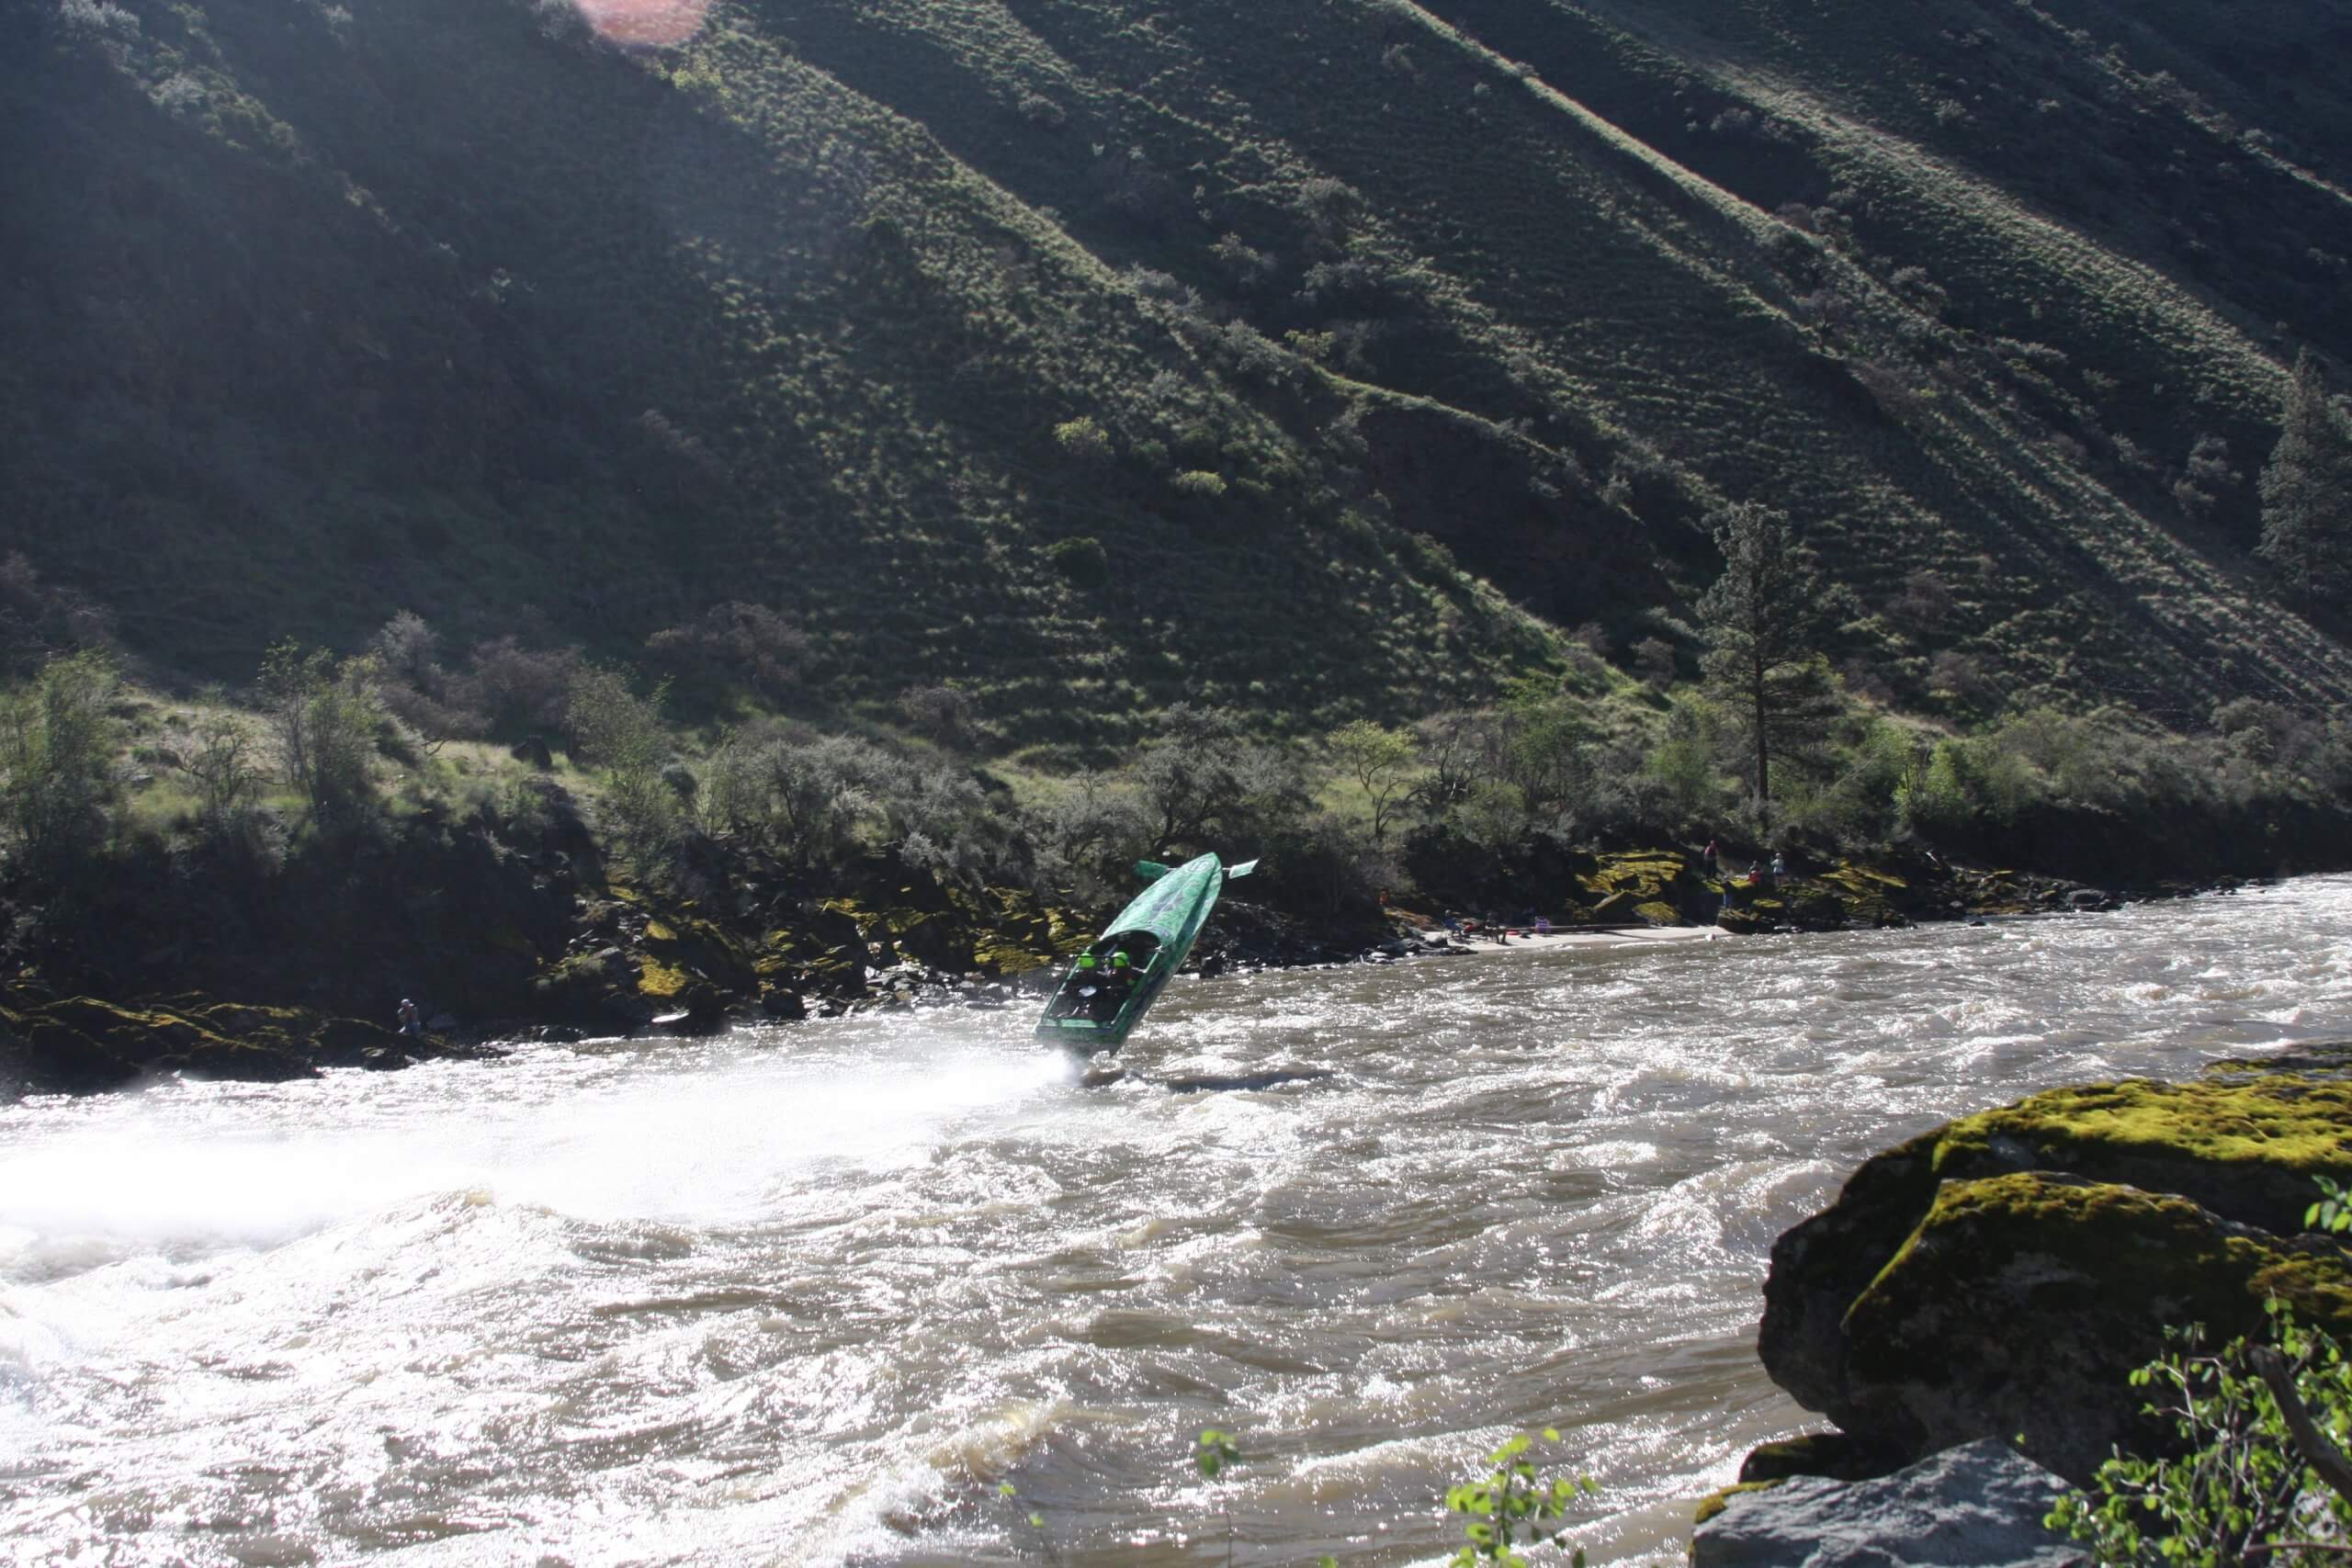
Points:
point(808, 1295)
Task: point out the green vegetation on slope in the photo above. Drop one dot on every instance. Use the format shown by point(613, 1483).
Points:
point(1099, 358)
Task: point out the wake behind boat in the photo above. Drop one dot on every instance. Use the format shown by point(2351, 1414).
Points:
point(1114, 982)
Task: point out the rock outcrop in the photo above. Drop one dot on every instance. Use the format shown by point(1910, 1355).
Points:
point(2005, 1273)
point(1976, 1507)
point(51, 1044)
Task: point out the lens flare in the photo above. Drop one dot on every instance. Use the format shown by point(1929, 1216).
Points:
point(645, 24)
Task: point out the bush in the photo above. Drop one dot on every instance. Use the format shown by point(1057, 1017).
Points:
point(1966, 784)
point(616, 730)
point(946, 715)
point(806, 799)
point(1199, 482)
point(325, 715)
point(222, 760)
point(415, 689)
point(1083, 560)
point(521, 691)
point(752, 644)
point(1654, 661)
point(57, 764)
point(1085, 439)
point(2241, 1488)
point(1089, 833)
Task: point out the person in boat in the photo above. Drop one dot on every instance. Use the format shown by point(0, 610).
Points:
point(1117, 978)
point(1079, 991)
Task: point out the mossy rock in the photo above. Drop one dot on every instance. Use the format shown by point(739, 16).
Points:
point(2247, 1149)
point(2022, 1303)
point(2240, 1151)
point(684, 939)
point(1714, 1502)
point(592, 993)
point(662, 983)
point(85, 1042)
point(1838, 1455)
point(1643, 873)
point(1648, 881)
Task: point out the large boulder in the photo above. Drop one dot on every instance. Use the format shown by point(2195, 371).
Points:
point(1976, 1507)
point(2005, 1273)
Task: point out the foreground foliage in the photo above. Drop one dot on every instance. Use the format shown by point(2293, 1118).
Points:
point(2241, 1492)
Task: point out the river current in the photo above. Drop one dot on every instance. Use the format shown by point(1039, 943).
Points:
point(812, 1295)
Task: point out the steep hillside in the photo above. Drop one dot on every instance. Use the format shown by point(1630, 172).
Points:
point(880, 311)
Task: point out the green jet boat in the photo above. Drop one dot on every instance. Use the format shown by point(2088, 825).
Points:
point(1097, 1005)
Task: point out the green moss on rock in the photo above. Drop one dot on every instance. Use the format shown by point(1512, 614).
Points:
point(2021, 1304)
point(2033, 1252)
point(1715, 1502)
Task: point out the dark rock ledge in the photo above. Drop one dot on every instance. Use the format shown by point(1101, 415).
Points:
point(2000, 1277)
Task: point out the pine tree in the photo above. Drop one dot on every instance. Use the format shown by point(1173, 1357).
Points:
point(1761, 619)
point(2307, 489)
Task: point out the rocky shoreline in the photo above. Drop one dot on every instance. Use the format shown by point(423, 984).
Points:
point(215, 975)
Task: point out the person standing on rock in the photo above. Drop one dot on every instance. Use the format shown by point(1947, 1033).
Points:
point(1710, 859)
point(411, 1020)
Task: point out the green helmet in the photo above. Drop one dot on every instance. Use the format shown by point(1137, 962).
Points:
point(1086, 961)
point(1118, 961)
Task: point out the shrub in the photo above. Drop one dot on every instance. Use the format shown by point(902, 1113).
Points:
point(415, 689)
point(761, 647)
point(1039, 109)
point(2242, 1489)
point(325, 715)
point(1083, 438)
point(616, 730)
point(522, 691)
point(1925, 604)
point(1081, 559)
point(57, 764)
point(1654, 661)
point(222, 760)
point(946, 715)
point(1966, 784)
point(1693, 789)
point(1199, 482)
point(804, 798)
point(1090, 832)
point(1201, 777)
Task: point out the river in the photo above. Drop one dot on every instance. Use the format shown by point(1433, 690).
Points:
point(813, 1295)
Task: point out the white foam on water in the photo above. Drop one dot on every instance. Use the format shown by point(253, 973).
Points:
point(781, 1297)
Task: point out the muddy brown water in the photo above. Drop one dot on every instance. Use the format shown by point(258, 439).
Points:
point(812, 1295)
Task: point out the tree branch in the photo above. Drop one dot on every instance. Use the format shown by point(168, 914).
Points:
point(2327, 1461)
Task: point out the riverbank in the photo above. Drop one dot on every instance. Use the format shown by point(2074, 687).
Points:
point(242, 971)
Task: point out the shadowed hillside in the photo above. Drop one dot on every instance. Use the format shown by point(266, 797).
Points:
point(1101, 356)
